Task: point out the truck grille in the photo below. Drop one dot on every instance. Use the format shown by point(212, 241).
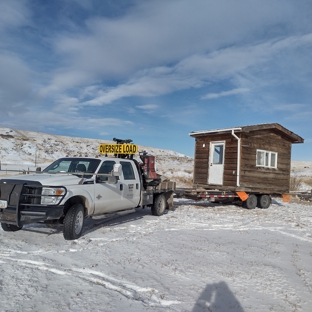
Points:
point(18, 192)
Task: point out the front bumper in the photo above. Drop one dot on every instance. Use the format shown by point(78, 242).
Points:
point(23, 203)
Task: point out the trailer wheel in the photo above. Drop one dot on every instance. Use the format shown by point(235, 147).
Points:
point(264, 201)
point(73, 222)
point(159, 205)
point(250, 202)
point(10, 227)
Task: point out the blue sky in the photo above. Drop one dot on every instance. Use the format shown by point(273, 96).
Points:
point(156, 70)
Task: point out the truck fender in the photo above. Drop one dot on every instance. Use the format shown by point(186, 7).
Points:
point(86, 197)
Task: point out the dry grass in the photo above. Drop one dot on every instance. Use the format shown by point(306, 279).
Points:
point(307, 181)
point(295, 183)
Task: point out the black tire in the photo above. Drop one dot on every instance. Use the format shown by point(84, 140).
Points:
point(264, 201)
point(250, 202)
point(73, 222)
point(10, 227)
point(159, 205)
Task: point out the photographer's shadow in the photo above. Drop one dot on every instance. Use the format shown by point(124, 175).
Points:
point(217, 297)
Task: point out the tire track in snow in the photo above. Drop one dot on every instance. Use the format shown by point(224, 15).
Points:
point(131, 291)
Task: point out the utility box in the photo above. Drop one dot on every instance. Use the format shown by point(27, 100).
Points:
point(255, 158)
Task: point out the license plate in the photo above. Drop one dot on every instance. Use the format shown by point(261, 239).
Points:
point(3, 204)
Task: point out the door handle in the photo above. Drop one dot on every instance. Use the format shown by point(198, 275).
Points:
point(121, 187)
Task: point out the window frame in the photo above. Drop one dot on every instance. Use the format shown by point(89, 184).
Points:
point(266, 159)
point(128, 175)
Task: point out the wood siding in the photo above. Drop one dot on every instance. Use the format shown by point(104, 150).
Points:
point(252, 178)
point(270, 180)
point(201, 164)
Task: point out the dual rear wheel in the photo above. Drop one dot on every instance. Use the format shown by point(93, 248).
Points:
point(159, 205)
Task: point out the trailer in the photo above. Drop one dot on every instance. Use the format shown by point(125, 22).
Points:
point(245, 164)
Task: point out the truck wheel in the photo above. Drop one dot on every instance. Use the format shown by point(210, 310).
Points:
point(250, 202)
point(73, 222)
point(159, 205)
point(10, 227)
point(264, 201)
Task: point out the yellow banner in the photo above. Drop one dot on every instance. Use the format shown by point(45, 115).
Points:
point(118, 148)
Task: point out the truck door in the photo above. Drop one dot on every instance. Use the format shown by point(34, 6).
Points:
point(132, 187)
point(107, 196)
point(216, 163)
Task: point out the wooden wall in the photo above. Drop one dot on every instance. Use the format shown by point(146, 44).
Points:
point(265, 179)
point(201, 163)
point(252, 178)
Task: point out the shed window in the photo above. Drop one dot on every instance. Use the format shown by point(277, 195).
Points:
point(266, 159)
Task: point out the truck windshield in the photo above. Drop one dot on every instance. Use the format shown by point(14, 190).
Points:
point(73, 165)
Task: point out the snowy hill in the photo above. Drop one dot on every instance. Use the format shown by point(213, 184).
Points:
point(28, 150)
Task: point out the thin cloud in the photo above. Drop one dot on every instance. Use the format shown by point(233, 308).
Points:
point(199, 70)
point(224, 93)
point(148, 108)
point(120, 47)
point(289, 107)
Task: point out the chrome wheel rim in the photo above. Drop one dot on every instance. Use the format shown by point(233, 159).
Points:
point(78, 222)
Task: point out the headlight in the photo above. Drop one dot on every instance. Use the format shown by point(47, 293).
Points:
point(52, 196)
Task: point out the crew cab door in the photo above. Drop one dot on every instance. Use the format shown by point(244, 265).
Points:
point(123, 194)
point(107, 196)
point(131, 181)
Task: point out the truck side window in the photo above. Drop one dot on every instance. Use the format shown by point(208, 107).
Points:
point(127, 170)
point(106, 168)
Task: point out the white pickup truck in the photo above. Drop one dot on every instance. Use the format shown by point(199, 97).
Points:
point(74, 188)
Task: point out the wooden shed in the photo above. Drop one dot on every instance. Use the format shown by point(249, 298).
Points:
point(255, 158)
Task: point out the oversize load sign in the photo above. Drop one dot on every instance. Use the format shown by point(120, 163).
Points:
point(118, 148)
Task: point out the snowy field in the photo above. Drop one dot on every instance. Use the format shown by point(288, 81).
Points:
point(199, 257)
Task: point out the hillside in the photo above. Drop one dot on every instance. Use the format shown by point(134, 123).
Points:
point(28, 150)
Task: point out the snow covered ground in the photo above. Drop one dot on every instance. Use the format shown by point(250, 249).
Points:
point(199, 257)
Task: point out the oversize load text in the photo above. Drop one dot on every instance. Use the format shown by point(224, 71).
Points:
point(118, 148)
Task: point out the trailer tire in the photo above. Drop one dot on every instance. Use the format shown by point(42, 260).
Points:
point(159, 205)
point(10, 227)
point(264, 201)
point(250, 202)
point(73, 222)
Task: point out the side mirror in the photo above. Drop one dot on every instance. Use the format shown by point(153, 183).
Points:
point(117, 170)
point(38, 169)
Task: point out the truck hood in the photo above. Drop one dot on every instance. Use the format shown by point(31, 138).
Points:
point(48, 179)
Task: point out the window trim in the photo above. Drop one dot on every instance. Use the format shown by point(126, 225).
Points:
point(267, 159)
point(130, 175)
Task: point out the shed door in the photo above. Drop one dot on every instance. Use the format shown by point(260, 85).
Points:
point(216, 163)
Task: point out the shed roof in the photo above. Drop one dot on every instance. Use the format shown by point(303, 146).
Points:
point(294, 138)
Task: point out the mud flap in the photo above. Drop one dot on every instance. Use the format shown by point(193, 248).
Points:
point(169, 200)
point(242, 195)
